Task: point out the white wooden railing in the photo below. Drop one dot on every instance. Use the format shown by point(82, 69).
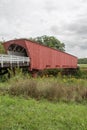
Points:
point(13, 59)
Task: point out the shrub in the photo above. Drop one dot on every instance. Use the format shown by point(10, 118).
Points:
point(25, 88)
point(50, 89)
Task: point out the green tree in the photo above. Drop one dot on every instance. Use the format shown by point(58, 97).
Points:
point(50, 41)
point(2, 50)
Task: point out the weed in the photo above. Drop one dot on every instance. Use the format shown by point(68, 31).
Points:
point(50, 89)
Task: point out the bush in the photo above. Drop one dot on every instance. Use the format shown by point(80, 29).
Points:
point(25, 88)
point(50, 89)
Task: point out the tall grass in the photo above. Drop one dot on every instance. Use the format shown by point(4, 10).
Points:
point(52, 89)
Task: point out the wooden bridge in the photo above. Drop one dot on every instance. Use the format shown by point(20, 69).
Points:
point(13, 61)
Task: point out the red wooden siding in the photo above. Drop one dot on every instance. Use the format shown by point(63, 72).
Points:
point(42, 57)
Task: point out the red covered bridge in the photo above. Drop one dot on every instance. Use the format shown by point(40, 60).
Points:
point(40, 57)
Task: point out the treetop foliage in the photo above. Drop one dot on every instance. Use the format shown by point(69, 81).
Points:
point(50, 41)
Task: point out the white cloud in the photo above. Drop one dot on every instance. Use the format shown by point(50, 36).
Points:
point(65, 19)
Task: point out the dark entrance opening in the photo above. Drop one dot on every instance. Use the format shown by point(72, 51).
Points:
point(17, 50)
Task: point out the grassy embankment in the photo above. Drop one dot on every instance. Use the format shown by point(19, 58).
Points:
point(17, 113)
point(43, 104)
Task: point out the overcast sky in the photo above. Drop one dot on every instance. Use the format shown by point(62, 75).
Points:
point(64, 19)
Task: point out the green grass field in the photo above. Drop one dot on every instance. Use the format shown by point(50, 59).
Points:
point(53, 103)
point(83, 65)
point(17, 113)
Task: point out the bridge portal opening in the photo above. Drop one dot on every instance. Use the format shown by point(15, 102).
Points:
point(17, 50)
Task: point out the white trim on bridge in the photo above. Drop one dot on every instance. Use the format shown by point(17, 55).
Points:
point(13, 60)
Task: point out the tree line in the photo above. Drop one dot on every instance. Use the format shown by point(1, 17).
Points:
point(82, 61)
